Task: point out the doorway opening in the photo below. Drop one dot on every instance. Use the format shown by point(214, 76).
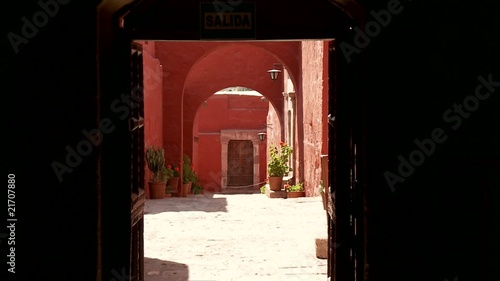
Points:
point(240, 163)
point(234, 114)
point(145, 20)
point(220, 132)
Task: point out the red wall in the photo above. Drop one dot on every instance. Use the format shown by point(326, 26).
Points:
point(153, 99)
point(226, 112)
point(274, 136)
point(314, 112)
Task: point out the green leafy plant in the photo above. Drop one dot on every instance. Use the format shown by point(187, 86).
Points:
point(263, 189)
point(321, 187)
point(197, 186)
point(173, 171)
point(188, 174)
point(294, 188)
point(166, 173)
point(278, 160)
point(155, 159)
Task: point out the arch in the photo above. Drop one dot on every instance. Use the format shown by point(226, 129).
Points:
point(282, 52)
point(227, 116)
point(227, 65)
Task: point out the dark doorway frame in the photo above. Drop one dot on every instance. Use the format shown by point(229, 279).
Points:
point(115, 231)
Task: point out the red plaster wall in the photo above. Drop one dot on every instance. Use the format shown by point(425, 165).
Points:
point(209, 168)
point(196, 137)
point(153, 88)
point(226, 112)
point(314, 103)
point(233, 112)
point(274, 136)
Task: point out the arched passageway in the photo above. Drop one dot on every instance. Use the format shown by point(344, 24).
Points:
point(144, 22)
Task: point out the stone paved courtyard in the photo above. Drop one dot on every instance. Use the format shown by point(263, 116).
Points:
point(233, 237)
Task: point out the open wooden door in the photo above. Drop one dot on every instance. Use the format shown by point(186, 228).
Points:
point(138, 195)
point(346, 223)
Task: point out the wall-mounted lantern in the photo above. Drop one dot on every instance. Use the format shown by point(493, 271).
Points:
point(262, 136)
point(274, 73)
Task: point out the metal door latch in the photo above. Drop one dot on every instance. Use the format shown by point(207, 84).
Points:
point(135, 123)
point(331, 120)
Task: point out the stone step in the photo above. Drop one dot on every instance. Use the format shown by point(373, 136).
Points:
point(322, 248)
point(275, 194)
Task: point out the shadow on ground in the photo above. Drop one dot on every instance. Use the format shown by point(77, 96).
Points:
point(192, 203)
point(237, 190)
point(156, 270)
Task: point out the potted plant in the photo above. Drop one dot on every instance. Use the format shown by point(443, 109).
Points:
point(196, 186)
point(294, 191)
point(173, 181)
point(155, 160)
point(188, 175)
point(277, 167)
point(167, 174)
point(263, 189)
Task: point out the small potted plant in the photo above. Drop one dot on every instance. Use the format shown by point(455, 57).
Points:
point(197, 187)
point(294, 191)
point(155, 160)
point(188, 176)
point(167, 174)
point(173, 181)
point(277, 167)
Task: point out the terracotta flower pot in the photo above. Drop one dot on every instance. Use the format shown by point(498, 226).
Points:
point(275, 183)
point(157, 189)
point(173, 183)
point(296, 194)
point(186, 189)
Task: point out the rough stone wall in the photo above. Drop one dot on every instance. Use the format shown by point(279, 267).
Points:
point(313, 98)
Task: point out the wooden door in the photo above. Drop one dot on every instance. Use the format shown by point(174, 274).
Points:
point(136, 129)
point(240, 158)
point(347, 239)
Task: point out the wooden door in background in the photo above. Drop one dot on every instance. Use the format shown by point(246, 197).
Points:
point(240, 160)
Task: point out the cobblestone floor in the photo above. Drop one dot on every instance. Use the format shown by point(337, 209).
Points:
point(233, 237)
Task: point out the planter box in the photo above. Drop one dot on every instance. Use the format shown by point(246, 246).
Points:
point(296, 194)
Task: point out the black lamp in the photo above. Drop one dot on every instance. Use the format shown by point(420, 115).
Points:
point(274, 73)
point(262, 136)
